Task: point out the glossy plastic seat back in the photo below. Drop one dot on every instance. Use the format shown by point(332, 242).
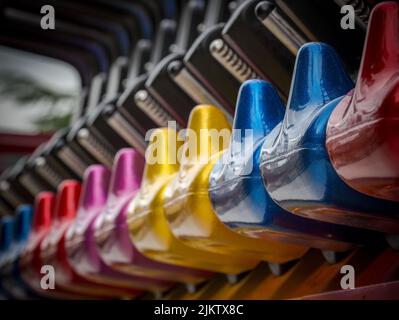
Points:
point(363, 131)
point(43, 216)
point(127, 173)
point(239, 196)
point(259, 108)
point(187, 204)
point(12, 282)
point(7, 230)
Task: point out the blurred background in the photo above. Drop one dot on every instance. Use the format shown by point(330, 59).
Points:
point(38, 95)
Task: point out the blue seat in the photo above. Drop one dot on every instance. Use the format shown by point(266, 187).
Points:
point(17, 230)
point(236, 185)
point(295, 165)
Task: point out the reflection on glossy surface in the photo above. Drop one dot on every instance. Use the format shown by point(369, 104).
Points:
point(7, 226)
point(363, 131)
point(238, 193)
point(310, 276)
point(54, 83)
point(3, 249)
point(31, 261)
point(187, 206)
point(295, 165)
point(148, 225)
point(112, 233)
point(80, 242)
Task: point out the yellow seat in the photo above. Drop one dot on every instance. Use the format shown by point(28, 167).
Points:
point(188, 207)
point(149, 228)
